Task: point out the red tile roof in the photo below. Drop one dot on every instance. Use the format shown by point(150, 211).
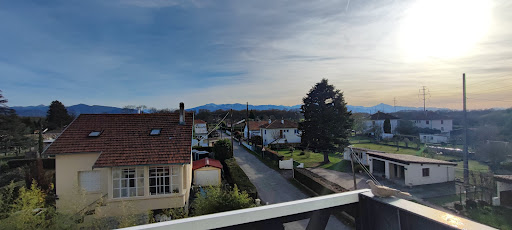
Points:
point(278, 125)
point(255, 125)
point(199, 121)
point(125, 139)
point(206, 162)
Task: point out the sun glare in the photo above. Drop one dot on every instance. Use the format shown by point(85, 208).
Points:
point(443, 29)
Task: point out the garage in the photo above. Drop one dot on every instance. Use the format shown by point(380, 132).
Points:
point(207, 172)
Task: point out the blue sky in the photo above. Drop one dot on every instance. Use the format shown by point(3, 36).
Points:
point(161, 52)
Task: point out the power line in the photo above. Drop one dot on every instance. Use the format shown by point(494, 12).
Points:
point(424, 91)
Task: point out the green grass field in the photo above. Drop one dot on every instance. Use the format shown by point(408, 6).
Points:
point(388, 149)
point(311, 159)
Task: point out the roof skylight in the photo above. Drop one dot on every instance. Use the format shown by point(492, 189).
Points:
point(95, 133)
point(155, 132)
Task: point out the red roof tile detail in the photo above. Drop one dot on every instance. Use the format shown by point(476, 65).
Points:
point(206, 162)
point(199, 121)
point(125, 139)
point(255, 125)
point(278, 125)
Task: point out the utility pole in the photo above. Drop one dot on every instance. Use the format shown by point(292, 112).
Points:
point(247, 124)
point(232, 151)
point(424, 99)
point(465, 157)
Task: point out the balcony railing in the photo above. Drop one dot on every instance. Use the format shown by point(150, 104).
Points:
point(368, 212)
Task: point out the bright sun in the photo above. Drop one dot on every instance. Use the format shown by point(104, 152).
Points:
point(443, 28)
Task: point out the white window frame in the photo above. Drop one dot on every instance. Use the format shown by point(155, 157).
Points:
point(127, 182)
point(164, 180)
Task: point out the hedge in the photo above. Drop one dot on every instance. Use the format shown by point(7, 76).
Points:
point(235, 175)
point(316, 183)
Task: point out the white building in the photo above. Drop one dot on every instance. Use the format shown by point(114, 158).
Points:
point(377, 120)
point(433, 138)
point(254, 127)
point(360, 153)
point(200, 133)
point(429, 120)
point(504, 189)
point(410, 170)
point(280, 131)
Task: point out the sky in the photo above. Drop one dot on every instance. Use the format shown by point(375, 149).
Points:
point(160, 52)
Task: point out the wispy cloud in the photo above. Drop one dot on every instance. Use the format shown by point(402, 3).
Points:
point(158, 53)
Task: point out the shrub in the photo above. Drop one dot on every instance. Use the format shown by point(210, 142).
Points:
point(256, 140)
point(308, 154)
point(216, 200)
point(458, 206)
point(292, 149)
point(302, 153)
point(236, 176)
point(3, 166)
point(471, 204)
point(222, 149)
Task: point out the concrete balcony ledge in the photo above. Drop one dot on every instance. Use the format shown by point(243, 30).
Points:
point(368, 211)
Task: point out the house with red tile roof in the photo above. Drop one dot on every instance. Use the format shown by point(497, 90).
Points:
point(254, 128)
point(280, 131)
point(142, 160)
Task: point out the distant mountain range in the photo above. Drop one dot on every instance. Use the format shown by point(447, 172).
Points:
point(40, 110)
point(237, 106)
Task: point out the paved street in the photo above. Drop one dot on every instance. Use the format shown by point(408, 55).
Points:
point(273, 187)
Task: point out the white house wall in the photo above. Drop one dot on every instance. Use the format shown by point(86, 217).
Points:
point(445, 127)
point(291, 136)
point(502, 186)
point(438, 174)
point(369, 125)
point(414, 172)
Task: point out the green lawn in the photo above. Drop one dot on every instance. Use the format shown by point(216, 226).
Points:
point(498, 217)
point(311, 159)
point(388, 149)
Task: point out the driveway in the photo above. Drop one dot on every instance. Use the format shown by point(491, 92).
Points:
point(273, 187)
point(345, 180)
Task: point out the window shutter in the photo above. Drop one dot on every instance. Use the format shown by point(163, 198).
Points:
point(90, 180)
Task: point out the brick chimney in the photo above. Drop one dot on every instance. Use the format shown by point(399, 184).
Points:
point(182, 113)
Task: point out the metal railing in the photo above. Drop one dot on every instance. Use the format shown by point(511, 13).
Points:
point(369, 212)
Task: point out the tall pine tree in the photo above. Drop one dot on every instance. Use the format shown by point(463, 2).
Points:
point(327, 122)
point(57, 115)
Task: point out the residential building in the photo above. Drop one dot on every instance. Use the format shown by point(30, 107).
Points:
point(200, 133)
point(254, 127)
point(429, 120)
point(504, 189)
point(138, 160)
point(280, 132)
point(410, 170)
point(377, 121)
